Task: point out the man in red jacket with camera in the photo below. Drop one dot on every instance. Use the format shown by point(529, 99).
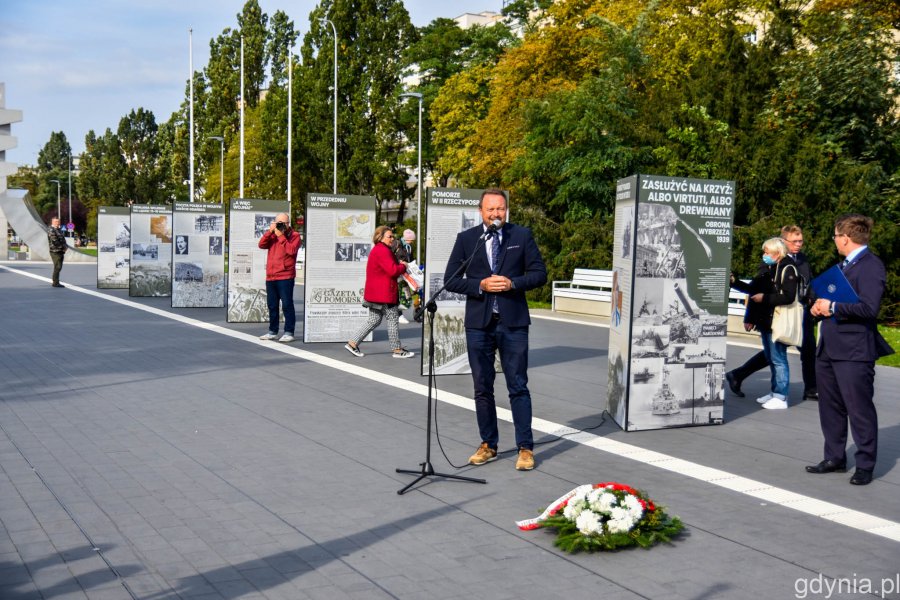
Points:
point(283, 243)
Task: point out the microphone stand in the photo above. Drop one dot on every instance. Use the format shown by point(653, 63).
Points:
point(427, 470)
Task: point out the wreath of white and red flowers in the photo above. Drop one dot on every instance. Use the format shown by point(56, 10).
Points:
point(605, 516)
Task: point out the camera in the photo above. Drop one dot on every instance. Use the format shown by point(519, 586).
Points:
point(280, 226)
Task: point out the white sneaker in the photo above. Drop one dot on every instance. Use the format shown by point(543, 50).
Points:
point(286, 338)
point(402, 353)
point(403, 320)
point(764, 399)
point(776, 404)
point(354, 350)
point(269, 336)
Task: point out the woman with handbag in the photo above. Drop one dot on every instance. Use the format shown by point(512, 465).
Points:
point(381, 293)
point(777, 310)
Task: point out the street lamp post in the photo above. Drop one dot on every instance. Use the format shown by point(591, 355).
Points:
point(334, 30)
point(241, 194)
point(71, 233)
point(290, 57)
point(418, 179)
point(191, 109)
point(221, 166)
point(58, 206)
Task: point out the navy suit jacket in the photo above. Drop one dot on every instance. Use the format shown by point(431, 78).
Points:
point(520, 261)
point(853, 333)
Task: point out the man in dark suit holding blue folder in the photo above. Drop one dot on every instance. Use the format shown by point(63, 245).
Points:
point(501, 270)
point(849, 345)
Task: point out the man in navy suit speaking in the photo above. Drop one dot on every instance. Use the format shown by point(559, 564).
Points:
point(506, 264)
point(849, 345)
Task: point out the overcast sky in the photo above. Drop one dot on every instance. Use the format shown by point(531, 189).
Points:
point(76, 66)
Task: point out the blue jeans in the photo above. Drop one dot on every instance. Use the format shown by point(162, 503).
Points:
point(776, 353)
point(513, 345)
point(283, 291)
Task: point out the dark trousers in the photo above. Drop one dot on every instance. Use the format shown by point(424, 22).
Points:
point(57, 258)
point(755, 363)
point(808, 353)
point(513, 345)
point(807, 358)
point(847, 392)
point(281, 291)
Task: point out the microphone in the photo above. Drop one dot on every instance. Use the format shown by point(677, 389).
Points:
point(493, 227)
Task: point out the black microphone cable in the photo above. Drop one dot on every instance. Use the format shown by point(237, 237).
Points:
point(554, 438)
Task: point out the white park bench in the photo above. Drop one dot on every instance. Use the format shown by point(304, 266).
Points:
point(737, 303)
point(588, 292)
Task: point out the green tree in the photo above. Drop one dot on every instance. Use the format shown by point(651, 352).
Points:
point(26, 178)
point(442, 51)
point(222, 76)
point(697, 145)
point(138, 142)
point(371, 36)
point(52, 163)
point(219, 88)
point(104, 178)
point(280, 42)
point(172, 141)
point(462, 103)
point(269, 142)
point(252, 22)
point(839, 84)
point(55, 153)
point(527, 14)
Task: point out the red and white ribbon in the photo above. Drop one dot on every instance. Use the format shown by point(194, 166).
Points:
point(529, 524)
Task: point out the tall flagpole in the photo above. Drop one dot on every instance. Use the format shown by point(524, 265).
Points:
point(290, 92)
point(191, 120)
point(334, 30)
point(241, 194)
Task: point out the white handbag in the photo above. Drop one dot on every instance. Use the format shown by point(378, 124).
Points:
point(787, 320)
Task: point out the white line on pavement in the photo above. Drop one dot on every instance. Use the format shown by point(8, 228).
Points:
point(756, 489)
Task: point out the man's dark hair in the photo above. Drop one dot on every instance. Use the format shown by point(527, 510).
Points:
point(491, 192)
point(854, 226)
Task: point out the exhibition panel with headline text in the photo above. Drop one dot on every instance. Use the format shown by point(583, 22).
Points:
point(671, 265)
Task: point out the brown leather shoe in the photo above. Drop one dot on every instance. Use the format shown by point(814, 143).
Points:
point(525, 462)
point(484, 454)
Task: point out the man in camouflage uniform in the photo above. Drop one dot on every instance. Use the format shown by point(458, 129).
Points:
point(58, 248)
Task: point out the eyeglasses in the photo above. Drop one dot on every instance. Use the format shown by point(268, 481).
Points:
point(837, 235)
point(798, 242)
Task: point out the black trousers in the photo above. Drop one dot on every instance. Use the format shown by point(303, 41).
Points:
point(57, 258)
point(758, 361)
point(848, 390)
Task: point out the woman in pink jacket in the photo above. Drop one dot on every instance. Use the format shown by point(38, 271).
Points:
point(381, 293)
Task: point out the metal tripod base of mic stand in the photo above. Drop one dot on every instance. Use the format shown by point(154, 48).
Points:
point(428, 471)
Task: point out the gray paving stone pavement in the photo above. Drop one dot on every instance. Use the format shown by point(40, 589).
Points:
point(143, 457)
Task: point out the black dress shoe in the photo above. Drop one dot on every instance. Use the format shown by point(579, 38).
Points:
point(734, 384)
point(828, 466)
point(861, 477)
point(57, 285)
point(811, 395)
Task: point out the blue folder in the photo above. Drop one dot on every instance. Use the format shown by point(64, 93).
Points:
point(833, 285)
